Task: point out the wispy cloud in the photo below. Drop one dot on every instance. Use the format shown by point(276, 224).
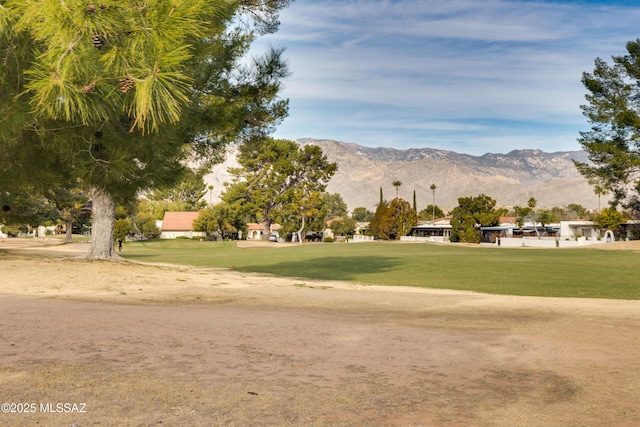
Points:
point(370, 69)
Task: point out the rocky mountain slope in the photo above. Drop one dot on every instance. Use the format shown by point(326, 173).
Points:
point(511, 179)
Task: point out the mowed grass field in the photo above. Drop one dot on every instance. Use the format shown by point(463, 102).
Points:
point(580, 273)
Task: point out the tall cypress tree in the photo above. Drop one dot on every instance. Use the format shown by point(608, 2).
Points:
point(415, 205)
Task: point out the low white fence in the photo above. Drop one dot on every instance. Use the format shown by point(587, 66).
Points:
point(507, 242)
point(545, 242)
point(361, 238)
point(438, 239)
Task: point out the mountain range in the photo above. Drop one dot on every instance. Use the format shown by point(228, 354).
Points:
point(511, 179)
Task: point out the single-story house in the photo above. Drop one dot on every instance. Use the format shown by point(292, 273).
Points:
point(578, 228)
point(328, 232)
point(588, 230)
point(361, 228)
point(508, 228)
point(631, 228)
point(179, 224)
point(255, 231)
point(438, 230)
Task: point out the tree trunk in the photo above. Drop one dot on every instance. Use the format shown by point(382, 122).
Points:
point(301, 228)
point(103, 219)
point(535, 227)
point(68, 236)
point(266, 225)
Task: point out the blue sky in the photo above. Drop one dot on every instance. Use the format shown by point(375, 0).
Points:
point(472, 76)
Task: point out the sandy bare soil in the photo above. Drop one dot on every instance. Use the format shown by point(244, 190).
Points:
point(142, 345)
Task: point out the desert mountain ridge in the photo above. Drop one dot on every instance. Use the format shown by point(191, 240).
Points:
point(511, 179)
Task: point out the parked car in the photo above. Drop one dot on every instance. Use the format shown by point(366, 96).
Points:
point(314, 237)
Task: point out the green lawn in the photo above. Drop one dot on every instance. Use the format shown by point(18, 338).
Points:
point(583, 273)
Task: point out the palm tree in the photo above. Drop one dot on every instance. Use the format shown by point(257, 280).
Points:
point(599, 190)
point(433, 203)
point(396, 184)
point(532, 203)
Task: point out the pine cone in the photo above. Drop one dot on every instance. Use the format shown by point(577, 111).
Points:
point(86, 89)
point(126, 84)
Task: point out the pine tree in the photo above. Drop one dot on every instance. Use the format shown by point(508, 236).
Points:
point(277, 178)
point(612, 144)
point(126, 91)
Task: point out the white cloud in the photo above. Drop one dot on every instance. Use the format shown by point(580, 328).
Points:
point(450, 61)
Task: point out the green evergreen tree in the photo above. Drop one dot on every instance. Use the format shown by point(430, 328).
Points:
point(403, 218)
point(393, 220)
point(613, 143)
point(362, 214)
point(415, 205)
point(472, 213)
point(382, 222)
point(217, 221)
point(188, 193)
point(430, 213)
point(127, 92)
point(275, 175)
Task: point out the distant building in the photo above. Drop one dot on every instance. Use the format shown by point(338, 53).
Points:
point(179, 224)
point(255, 231)
point(435, 231)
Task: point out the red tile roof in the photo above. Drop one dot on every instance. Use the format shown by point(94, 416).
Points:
point(508, 220)
point(179, 221)
point(260, 227)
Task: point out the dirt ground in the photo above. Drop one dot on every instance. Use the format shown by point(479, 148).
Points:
point(122, 344)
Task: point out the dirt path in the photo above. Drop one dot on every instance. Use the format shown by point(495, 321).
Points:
point(153, 345)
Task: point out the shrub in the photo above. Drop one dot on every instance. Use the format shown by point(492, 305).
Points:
point(150, 229)
point(121, 228)
point(11, 230)
point(328, 240)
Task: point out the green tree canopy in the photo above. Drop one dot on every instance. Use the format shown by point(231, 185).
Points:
point(430, 213)
point(187, 194)
point(119, 89)
point(522, 214)
point(613, 143)
point(217, 221)
point(28, 208)
point(344, 227)
point(334, 206)
point(276, 175)
point(576, 211)
point(362, 214)
point(382, 222)
point(393, 220)
point(404, 218)
point(609, 219)
point(472, 213)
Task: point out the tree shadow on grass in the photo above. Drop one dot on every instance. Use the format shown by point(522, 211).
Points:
point(329, 268)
